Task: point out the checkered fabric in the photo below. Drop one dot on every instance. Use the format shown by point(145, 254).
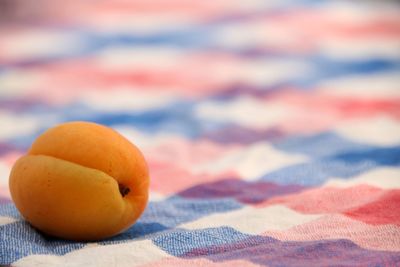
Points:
point(271, 128)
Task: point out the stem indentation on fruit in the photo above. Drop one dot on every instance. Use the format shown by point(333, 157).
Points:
point(123, 190)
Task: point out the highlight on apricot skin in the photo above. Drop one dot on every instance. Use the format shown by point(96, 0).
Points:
point(80, 181)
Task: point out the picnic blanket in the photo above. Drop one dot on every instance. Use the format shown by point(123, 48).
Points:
point(271, 128)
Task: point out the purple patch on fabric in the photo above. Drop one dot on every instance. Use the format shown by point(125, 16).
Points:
point(270, 252)
point(4, 200)
point(243, 191)
point(239, 135)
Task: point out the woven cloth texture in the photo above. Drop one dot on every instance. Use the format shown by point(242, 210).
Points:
point(271, 128)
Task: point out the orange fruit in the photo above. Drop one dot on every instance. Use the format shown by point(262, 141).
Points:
point(80, 181)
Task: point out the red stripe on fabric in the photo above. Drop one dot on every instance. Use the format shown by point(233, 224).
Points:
point(385, 210)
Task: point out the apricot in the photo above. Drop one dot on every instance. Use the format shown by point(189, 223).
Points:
point(80, 181)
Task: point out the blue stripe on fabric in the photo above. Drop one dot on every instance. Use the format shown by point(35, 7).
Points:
point(195, 36)
point(180, 242)
point(19, 240)
point(225, 244)
point(157, 218)
point(178, 118)
point(343, 165)
point(189, 205)
point(139, 230)
point(327, 69)
point(177, 210)
point(201, 38)
point(216, 244)
point(383, 156)
point(319, 145)
point(9, 210)
point(174, 118)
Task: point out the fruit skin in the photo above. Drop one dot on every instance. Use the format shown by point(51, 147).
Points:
point(68, 185)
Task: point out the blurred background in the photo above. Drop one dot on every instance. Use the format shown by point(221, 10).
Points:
point(192, 82)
